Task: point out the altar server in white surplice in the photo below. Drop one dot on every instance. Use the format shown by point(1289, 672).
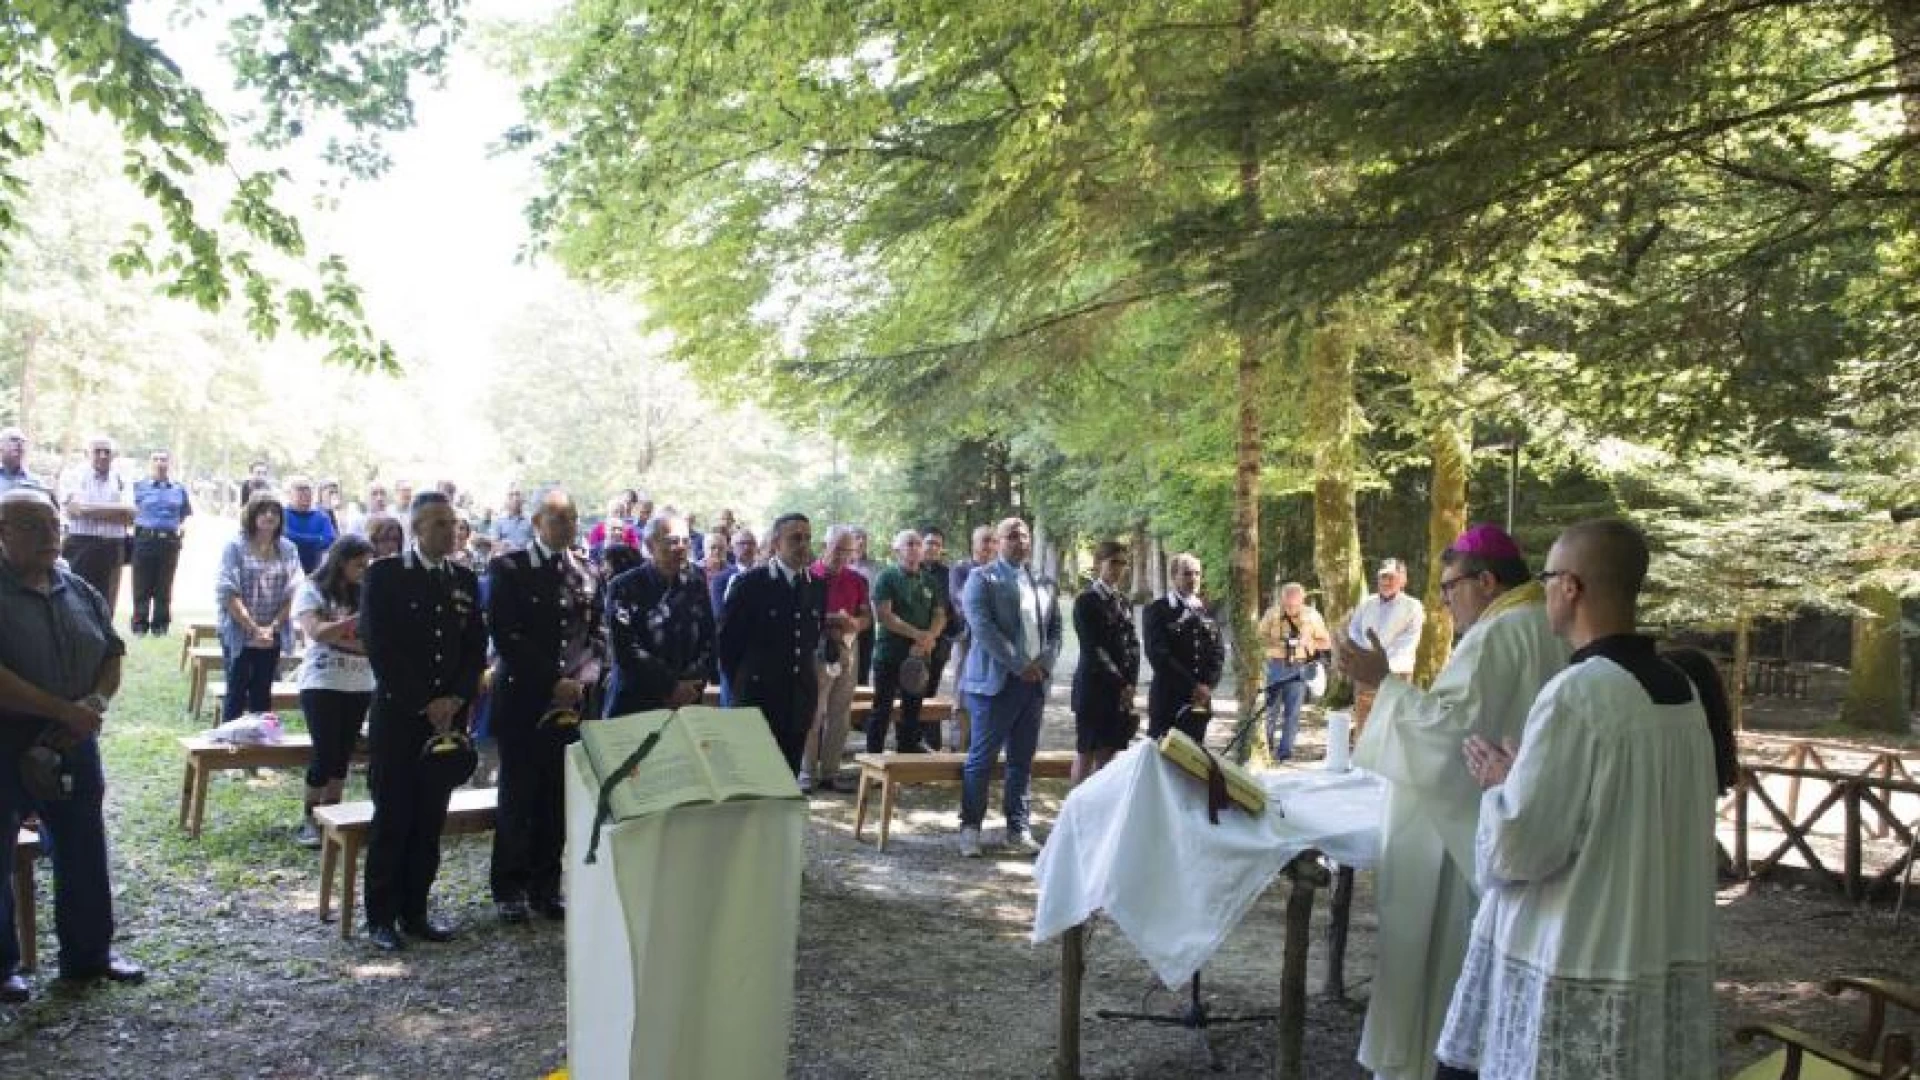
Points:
point(1424, 886)
point(1592, 953)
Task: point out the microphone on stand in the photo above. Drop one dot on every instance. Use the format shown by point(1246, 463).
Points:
point(1240, 734)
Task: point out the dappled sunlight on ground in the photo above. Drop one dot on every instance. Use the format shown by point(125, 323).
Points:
point(373, 972)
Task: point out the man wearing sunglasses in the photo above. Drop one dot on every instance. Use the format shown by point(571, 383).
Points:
point(1425, 881)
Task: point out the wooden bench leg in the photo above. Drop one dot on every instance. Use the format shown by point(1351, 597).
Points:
point(186, 793)
point(887, 788)
point(26, 918)
point(196, 691)
point(329, 858)
point(351, 853)
point(186, 650)
point(202, 774)
point(860, 803)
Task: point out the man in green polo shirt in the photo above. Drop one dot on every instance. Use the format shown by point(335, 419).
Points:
point(909, 617)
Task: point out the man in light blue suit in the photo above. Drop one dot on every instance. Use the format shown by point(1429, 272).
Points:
point(1015, 623)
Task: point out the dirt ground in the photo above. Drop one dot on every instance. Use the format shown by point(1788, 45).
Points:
point(912, 964)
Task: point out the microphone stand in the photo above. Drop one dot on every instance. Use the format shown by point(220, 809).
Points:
point(1195, 1018)
point(1245, 728)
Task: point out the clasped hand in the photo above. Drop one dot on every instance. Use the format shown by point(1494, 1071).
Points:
point(441, 712)
point(1488, 763)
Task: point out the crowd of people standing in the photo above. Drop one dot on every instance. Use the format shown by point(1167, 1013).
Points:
point(1546, 879)
point(423, 625)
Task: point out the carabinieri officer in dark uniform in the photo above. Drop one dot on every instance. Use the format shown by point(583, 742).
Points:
point(1184, 646)
point(769, 632)
point(543, 608)
point(421, 624)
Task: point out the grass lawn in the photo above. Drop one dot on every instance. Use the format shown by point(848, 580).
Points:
point(244, 978)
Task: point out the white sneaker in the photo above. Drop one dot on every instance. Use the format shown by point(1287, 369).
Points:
point(1021, 843)
point(969, 842)
point(806, 783)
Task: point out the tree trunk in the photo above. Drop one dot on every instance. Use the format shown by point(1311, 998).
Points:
point(1903, 27)
point(1243, 559)
point(1447, 513)
point(1876, 696)
point(1042, 547)
point(1332, 427)
point(1139, 587)
point(27, 367)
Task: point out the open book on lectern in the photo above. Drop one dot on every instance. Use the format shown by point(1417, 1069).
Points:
point(701, 755)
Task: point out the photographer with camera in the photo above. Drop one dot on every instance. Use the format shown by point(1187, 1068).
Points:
point(59, 666)
point(1295, 638)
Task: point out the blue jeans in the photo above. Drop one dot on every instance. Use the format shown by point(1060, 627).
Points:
point(82, 900)
point(1010, 718)
point(1288, 695)
point(250, 675)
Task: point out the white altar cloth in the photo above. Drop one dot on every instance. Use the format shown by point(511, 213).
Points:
point(1134, 841)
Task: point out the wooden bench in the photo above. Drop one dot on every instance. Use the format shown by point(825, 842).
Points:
point(286, 697)
point(1869, 1055)
point(201, 664)
point(933, 712)
point(890, 771)
point(860, 694)
point(206, 756)
point(26, 849)
point(192, 635)
point(343, 831)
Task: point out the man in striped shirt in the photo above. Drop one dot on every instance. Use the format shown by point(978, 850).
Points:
point(99, 505)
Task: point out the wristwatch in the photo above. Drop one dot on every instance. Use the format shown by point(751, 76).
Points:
point(97, 702)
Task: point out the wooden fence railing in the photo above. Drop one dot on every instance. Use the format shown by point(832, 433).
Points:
point(1865, 801)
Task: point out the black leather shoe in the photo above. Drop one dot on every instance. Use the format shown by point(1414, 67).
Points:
point(14, 991)
point(116, 970)
point(427, 930)
point(124, 971)
point(386, 938)
point(512, 912)
point(551, 908)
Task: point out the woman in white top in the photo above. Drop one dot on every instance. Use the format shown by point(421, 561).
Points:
point(336, 681)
